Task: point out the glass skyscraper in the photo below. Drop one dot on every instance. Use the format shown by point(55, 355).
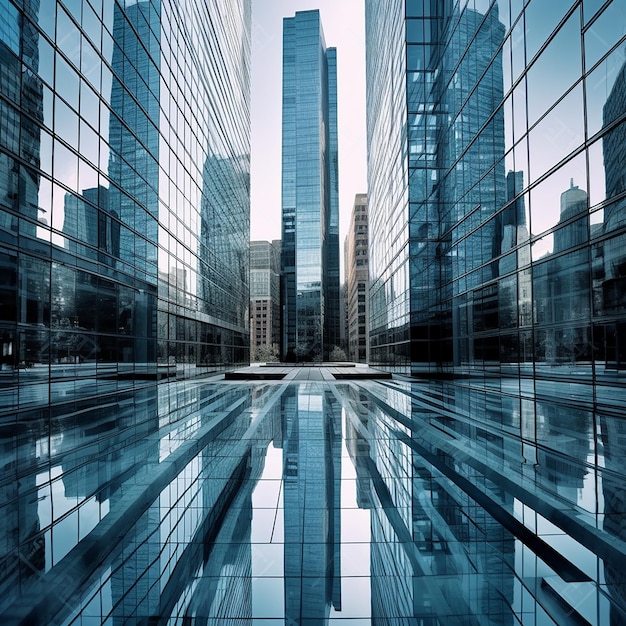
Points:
point(310, 206)
point(495, 149)
point(496, 142)
point(124, 194)
point(124, 236)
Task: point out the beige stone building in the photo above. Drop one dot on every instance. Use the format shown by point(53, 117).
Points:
point(357, 281)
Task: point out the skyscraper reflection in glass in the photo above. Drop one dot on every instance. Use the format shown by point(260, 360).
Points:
point(495, 145)
point(124, 195)
point(310, 205)
point(314, 501)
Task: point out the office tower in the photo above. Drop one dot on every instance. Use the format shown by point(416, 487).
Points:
point(357, 281)
point(116, 156)
point(430, 186)
point(264, 300)
point(472, 267)
point(115, 145)
point(310, 213)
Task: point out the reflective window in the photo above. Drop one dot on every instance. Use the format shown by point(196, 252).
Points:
point(68, 37)
point(9, 26)
point(519, 195)
point(556, 70)
point(603, 33)
point(66, 81)
point(604, 85)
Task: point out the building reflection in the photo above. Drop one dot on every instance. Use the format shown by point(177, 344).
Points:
point(19, 193)
point(312, 481)
point(562, 287)
point(613, 306)
point(19, 181)
point(358, 446)
point(21, 537)
point(70, 467)
point(436, 556)
point(222, 278)
point(92, 226)
point(512, 194)
point(560, 428)
point(613, 434)
point(189, 554)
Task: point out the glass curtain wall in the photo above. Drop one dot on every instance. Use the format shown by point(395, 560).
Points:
point(124, 194)
point(310, 209)
point(495, 174)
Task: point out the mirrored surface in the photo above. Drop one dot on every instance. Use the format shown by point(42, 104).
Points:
point(384, 502)
point(515, 116)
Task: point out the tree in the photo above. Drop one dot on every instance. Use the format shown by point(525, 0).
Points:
point(264, 354)
point(337, 354)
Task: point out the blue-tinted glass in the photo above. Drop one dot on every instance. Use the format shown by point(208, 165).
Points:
point(310, 252)
point(68, 37)
point(292, 508)
point(9, 26)
point(517, 193)
point(45, 67)
point(557, 134)
point(603, 34)
point(66, 81)
point(556, 70)
point(45, 18)
point(540, 20)
point(65, 122)
point(604, 84)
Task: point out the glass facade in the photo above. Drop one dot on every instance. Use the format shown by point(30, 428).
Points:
point(497, 213)
point(124, 195)
point(315, 500)
point(495, 175)
point(310, 205)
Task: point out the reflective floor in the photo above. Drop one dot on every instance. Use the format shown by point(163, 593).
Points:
point(310, 502)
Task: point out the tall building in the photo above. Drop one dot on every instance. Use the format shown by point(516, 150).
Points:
point(472, 267)
point(310, 207)
point(496, 187)
point(115, 148)
point(116, 153)
point(357, 281)
point(264, 299)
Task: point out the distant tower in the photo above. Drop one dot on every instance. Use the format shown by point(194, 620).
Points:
point(357, 281)
point(573, 204)
point(310, 208)
point(264, 296)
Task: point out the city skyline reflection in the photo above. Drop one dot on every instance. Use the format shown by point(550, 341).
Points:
point(386, 502)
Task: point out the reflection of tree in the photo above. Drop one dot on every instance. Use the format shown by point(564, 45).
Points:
point(337, 354)
point(67, 345)
point(309, 347)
